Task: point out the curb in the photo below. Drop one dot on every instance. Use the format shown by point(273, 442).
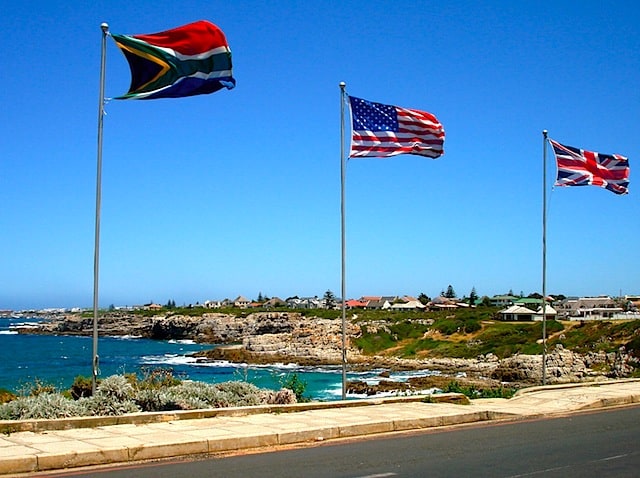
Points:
point(561, 386)
point(191, 446)
point(44, 425)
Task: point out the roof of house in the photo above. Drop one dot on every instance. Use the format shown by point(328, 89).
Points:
point(548, 311)
point(355, 303)
point(517, 309)
point(412, 304)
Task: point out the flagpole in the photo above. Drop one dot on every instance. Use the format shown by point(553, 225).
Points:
point(96, 256)
point(544, 257)
point(343, 291)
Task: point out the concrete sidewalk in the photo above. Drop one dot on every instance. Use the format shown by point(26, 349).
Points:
point(55, 445)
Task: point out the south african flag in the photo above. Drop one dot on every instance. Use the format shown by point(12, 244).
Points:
point(190, 60)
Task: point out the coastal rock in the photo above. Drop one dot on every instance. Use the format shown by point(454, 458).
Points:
point(291, 337)
point(563, 366)
point(320, 339)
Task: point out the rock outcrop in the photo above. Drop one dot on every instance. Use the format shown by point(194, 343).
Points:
point(291, 337)
point(563, 366)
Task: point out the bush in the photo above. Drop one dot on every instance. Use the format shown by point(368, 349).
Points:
point(81, 387)
point(297, 386)
point(118, 394)
point(7, 395)
point(156, 378)
point(43, 405)
point(36, 388)
point(472, 391)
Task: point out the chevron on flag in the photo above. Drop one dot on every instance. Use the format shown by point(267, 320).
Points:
point(189, 60)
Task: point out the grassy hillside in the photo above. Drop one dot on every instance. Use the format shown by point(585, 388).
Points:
point(467, 333)
point(460, 333)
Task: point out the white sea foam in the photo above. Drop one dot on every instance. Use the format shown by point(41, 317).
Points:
point(8, 332)
point(168, 359)
point(391, 393)
point(182, 341)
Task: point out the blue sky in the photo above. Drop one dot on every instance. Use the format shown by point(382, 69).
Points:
point(238, 192)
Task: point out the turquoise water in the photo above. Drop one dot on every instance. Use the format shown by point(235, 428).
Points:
point(57, 360)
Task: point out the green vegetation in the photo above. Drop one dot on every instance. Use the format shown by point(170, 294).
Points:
point(156, 390)
point(472, 391)
point(602, 336)
point(296, 385)
point(457, 333)
point(468, 333)
point(6, 395)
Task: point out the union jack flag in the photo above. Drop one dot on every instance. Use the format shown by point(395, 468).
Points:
point(577, 167)
point(384, 130)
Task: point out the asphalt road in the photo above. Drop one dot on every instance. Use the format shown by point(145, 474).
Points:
point(602, 444)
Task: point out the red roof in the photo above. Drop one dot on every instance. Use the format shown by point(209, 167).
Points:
point(356, 303)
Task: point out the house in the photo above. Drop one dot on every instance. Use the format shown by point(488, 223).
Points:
point(633, 301)
point(529, 302)
point(212, 304)
point(517, 313)
point(441, 302)
point(379, 302)
point(409, 305)
point(355, 304)
point(549, 312)
point(304, 303)
point(241, 302)
point(152, 306)
point(503, 300)
point(274, 302)
point(589, 308)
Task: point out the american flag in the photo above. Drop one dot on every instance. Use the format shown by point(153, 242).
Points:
point(383, 130)
point(577, 167)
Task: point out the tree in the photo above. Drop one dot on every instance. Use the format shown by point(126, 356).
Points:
point(423, 298)
point(450, 293)
point(329, 299)
point(473, 296)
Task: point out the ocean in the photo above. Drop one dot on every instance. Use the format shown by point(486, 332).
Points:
point(58, 359)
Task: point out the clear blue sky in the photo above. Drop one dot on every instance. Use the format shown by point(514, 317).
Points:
point(238, 192)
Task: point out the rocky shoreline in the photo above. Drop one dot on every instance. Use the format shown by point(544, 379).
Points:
point(290, 337)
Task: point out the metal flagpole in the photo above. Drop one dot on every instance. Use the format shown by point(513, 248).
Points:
point(96, 255)
point(343, 243)
point(544, 257)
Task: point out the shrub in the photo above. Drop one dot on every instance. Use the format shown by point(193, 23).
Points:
point(241, 394)
point(7, 395)
point(155, 401)
point(472, 391)
point(156, 378)
point(280, 397)
point(115, 387)
point(296, 385)
point(81, 387)
point(37, 387)
point(118, 394)
point(194, 395)
point(43, 405)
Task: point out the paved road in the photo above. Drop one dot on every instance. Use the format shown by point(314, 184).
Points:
point(599, 444)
